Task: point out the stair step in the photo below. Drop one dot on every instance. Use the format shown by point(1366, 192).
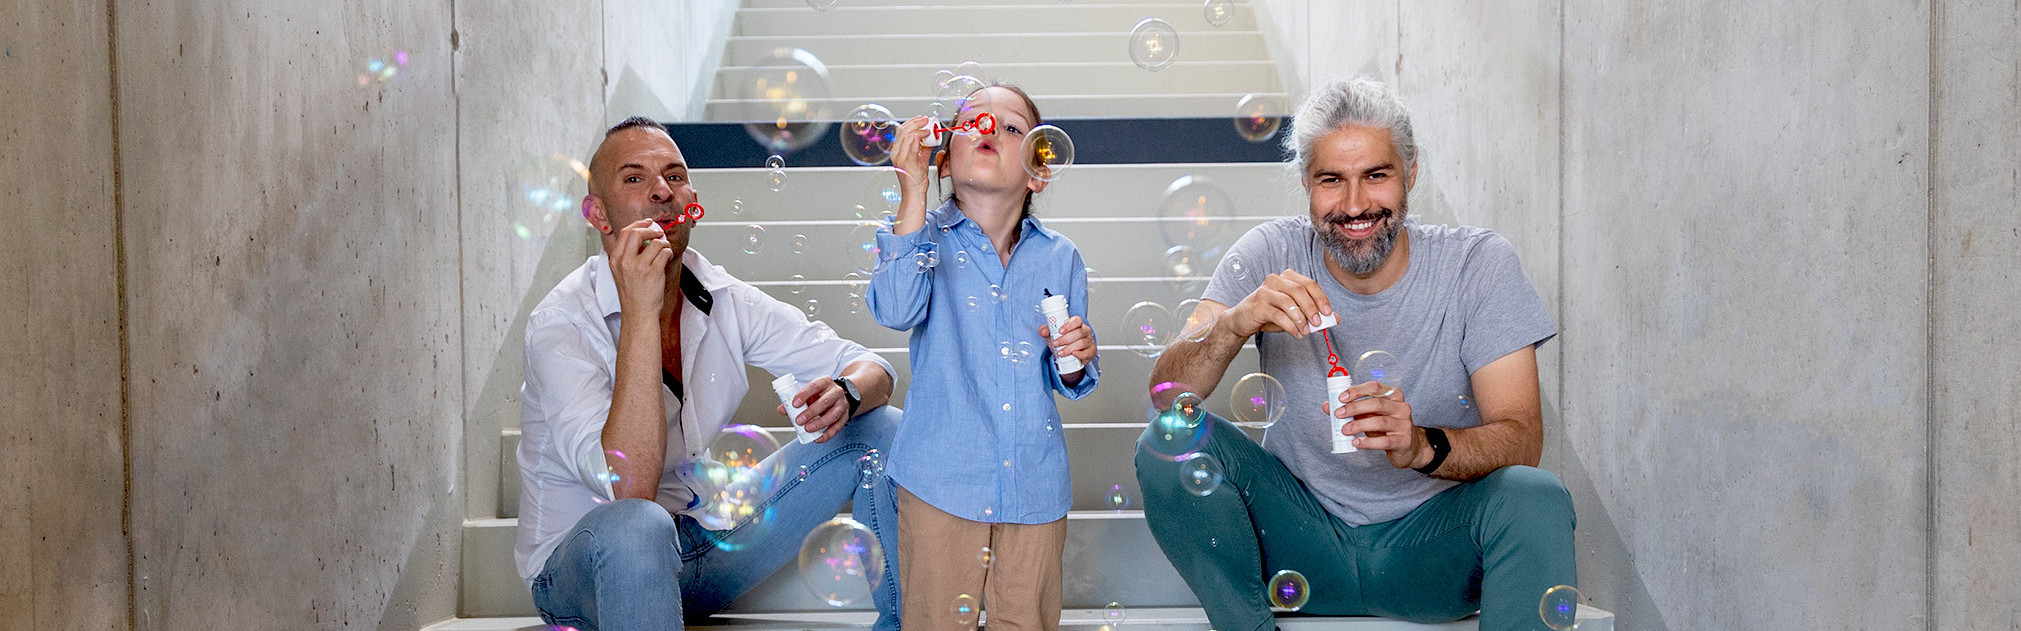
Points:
point(989, 49)
point(1147, 619)
point(1185, 17)
point(1112, 73)
point(1055, 105)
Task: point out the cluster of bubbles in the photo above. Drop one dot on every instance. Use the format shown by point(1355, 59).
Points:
point(775, 172)
point(543, 193)
point(841, 561)
point(383, 69)
point(1150, 328)
point(1178, 431)
point(1560, 608)
point(869, 469)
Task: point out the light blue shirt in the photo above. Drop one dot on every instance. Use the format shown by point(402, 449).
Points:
point(982, 438)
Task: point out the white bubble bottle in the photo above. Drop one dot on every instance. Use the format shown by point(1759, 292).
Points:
point(1055, 309)
point(1335, 385)
point(786, 386)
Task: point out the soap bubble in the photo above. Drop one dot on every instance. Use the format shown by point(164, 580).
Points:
point(781, 99)
point(1257, 400)
point(1191, 408)
point(1288, 590)
point(1193, 324)
point(964, 609)
point(1184, 270)
point(1175, 432)
point(1179, 261)
point(754, 237)
point(997, 293)
point(841, 561)
point(961, 259)
point(957, 88)
point(737, 475)
point(940, 77)
point(971, 304)
point(1195, 212)
point(1218, 12)
point(1258, 116)
point(1022, 353)
point(855, 303)
point(821, 5)
point(1466, 403)
point(922, 262)
point(878, 197)
point(1149, 327)
point(543, 192)
point(970, 67)
point(1153, 44)
point(1237, 266)
point(737, 208)
point(799, 244)
point(867, 134)
point(1376, 366)
point(1114, 613)
point(811, 308)
point(1118, 499)
point(985, 557)
point(796, 284)
point(1048, 151)
point(863, 250)
point(1560, 607)
point(869, 468)
point(1200, 474)
point(775, 161)
point(776, 180)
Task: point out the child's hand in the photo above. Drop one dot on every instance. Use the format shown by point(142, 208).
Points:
point(1076, 339)
point(909, 157)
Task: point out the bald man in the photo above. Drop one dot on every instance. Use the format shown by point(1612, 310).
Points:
point(634, 366)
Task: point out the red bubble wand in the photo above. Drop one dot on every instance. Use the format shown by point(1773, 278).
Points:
point(1331, 358)
point(693, 212)
point(984, 123)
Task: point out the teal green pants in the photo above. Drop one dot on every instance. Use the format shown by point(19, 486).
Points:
point(1493, 545)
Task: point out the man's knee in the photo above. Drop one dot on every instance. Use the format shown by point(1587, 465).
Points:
point(1530, 495)
point(632, 527)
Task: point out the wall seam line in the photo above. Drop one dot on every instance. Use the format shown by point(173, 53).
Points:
point(462, 306)
point(1930, 434)
point(1563, 358)
point(119, 300)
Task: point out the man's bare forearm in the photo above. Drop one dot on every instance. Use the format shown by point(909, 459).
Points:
point(637, 427)
point(1197, 365)
point(1479, 451)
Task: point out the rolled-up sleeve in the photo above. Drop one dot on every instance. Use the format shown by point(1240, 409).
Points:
point(899, 293)
point(780, 339)
point(567, 397)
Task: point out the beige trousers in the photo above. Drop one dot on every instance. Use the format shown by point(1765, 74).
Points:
point(940, 560)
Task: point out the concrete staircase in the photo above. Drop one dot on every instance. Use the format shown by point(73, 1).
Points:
point(1072, 58)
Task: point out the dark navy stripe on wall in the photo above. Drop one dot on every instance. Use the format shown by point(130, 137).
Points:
point(1096, 141)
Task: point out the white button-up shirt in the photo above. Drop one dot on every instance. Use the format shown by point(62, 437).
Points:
point(571, 369)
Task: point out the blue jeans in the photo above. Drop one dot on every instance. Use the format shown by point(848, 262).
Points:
point(631, 565)
point(1494, 544)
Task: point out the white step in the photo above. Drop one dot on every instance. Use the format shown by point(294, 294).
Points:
point(1113, 72)
point(1068, 17)
point(846, 4)
point(1056, 106)
point(989, 49)
point(1147, 619)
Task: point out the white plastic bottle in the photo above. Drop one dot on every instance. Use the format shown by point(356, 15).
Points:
point(1336, 385)
point(786, 386)
point(1055, 309)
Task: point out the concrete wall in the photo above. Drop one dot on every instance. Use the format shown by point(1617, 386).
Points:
point(61, 450)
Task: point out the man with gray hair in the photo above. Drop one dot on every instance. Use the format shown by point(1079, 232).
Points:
point(1425, 505)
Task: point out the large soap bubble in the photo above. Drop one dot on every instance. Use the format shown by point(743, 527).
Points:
point(841, 561)
point(782, 99)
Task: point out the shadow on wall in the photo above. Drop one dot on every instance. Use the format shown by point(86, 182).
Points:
point(1607, 574)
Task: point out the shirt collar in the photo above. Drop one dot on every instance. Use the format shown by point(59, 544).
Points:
point(699, 281)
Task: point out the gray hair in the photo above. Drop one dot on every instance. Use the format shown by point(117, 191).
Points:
point(1360, 102)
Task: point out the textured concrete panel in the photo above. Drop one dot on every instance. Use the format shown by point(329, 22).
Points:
point(1978, 261)
point(527, 105)
point(1482, 85)
point(293, 303)
point(1745, 285)
point(65, 565)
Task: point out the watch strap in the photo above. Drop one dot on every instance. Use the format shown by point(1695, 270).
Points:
point(1440, 448)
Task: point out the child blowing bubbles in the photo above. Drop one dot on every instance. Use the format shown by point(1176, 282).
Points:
point(980, 458)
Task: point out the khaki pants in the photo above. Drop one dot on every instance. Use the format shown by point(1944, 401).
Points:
point(939, 561)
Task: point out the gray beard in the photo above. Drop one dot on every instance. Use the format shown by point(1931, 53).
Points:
point(1373, 255)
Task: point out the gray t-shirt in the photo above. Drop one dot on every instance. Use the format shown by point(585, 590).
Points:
point(1462, 303)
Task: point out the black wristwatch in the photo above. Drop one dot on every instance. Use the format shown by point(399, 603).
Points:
point(849, 392)
point(1440, 447)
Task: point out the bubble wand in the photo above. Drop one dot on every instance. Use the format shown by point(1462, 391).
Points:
point(693, 212)
point(984, 123)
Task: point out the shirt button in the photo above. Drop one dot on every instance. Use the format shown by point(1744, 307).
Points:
point(1006, 464)
point(1006, 407)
